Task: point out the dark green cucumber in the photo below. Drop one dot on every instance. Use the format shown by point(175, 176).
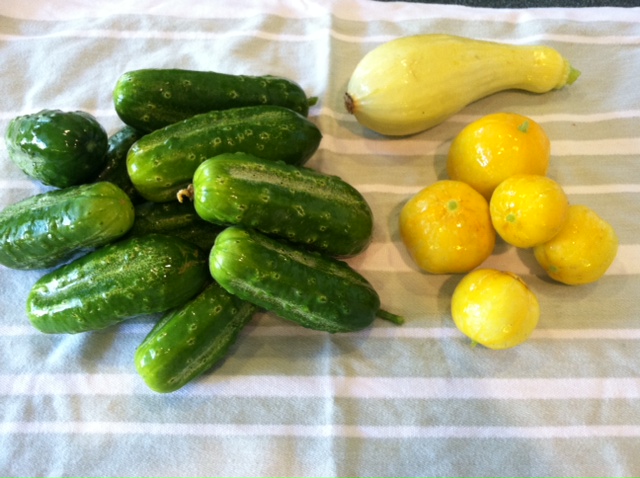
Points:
point(176, 219)
point(141, 275)
point(150, 99)
point(50, 228)
point(191, 339)
point(316, 291)
point(163, 162)
point(58, 148)
point(115, 169)
point(299, 204)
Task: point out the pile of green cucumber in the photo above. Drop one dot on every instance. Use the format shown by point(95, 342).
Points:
point(200, 208)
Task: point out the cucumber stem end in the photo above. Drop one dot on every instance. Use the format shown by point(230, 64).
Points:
point(396, 319)
point(185, 193)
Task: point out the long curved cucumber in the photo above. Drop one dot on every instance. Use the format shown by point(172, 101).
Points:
point(311, 289)
point(164, 161)
point(149, 99)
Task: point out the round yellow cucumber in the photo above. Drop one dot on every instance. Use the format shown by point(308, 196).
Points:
point(414, 83)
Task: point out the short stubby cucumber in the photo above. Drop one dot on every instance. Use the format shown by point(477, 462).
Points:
point(115, 169)
point(149, 99)
point(137, 276)
point(314, 290)
point(48, 229)
point(57, 148)
point(163, 162)
point(191, 339)
point(175, 219)
point(298, 204)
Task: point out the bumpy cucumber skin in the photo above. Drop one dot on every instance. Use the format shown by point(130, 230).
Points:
point(115, 169)
point(57, 148)
point(48, 229)
point(309, 288)
point(175, 219)
point(150, 99)
point(191, 339)
point(298, 204)
point(164, 161)
point(141, 275)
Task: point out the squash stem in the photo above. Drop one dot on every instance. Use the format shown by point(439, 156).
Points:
point(396, 319)
point(574, 74)
point(312, 101)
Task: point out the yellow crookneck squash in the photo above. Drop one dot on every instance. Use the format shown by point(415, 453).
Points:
point(414, 83)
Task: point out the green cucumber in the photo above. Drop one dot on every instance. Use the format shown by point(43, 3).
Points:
point(149, 99)
point(115, 169)
point(191, 339)
point(136, 276)
point(298, 204)
point(163, 162)
point(48, 229)
point(175, 219)
point(57, 148)
point(316, 291)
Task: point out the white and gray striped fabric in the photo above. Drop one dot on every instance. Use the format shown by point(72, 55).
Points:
point(415, 400)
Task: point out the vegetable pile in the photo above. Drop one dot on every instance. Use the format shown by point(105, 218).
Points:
point(199, 208)
point(496, 185)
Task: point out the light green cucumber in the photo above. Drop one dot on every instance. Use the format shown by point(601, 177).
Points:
point(164, 161)
point(304, 206)
point(191, 339)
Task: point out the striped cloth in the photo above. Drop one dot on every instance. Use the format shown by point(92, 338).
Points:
point(414, 400)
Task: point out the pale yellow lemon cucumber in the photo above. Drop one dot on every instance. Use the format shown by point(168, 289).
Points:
point(413, 83)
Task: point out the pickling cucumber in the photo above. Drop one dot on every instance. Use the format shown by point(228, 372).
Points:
point(48, 229)
point(136, 276)
point(298, 204)
point(115, 168)
point(57, 148)
point(149, 99)
point(163, 162)
point(314, 290)
point(175, 219)
point(191, 339)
